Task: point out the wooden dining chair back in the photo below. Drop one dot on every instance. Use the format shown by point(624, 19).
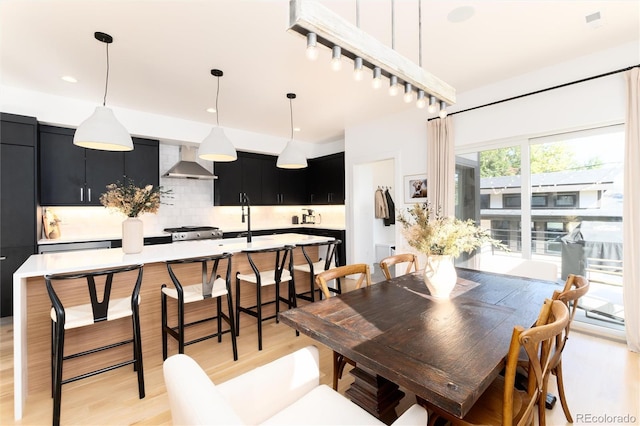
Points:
point(575, 287)
point(409, 258)
point(363, 273)
point(502, 403)
point(211, 285)
point(112, 294)
point(327, 258)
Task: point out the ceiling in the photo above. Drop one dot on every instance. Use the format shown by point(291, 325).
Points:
point(163, 52)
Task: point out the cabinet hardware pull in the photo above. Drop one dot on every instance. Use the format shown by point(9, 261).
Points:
point(89, 194)
point(81, 194)
point(3, 257)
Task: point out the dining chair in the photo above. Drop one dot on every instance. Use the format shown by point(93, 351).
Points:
point(67, 314)
point(210, 286)
point(503, 403)
point(322, 280)
point(327, 258)
point(264, 274)
point(409, 258)
point(575, 287)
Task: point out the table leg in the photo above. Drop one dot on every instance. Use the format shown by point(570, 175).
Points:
point(375, 394)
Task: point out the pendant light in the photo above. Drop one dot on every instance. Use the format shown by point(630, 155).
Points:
point(102, 130)
point(217, 146)
point(291, 157)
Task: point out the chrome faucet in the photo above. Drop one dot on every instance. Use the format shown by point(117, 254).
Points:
point(246, 202)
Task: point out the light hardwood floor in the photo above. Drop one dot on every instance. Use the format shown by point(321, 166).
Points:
point(602, 378)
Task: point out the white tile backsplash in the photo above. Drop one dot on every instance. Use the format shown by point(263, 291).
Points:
point(190, 203)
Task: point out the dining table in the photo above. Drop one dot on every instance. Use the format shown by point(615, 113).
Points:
point(445, 351)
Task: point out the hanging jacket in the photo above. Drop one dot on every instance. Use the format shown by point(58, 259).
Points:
point(391, 218)
point(381, 208)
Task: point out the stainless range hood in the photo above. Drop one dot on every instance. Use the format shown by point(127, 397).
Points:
point(187, 168)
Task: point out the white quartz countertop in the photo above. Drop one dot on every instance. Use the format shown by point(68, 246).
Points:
point(64, 262)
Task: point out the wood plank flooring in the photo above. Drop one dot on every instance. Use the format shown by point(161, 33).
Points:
point(602, 378)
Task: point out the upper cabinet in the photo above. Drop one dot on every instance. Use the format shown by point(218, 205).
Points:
point(326, 179)
point(265, 184)
point(75, 176)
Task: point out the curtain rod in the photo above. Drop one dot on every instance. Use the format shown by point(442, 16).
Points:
point(541, 91)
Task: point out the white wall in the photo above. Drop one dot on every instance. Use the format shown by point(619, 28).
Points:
point(403, 137)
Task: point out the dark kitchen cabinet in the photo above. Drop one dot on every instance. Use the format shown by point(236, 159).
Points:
point(258, 177)
point(18, 222)
point(75, 176)
point(326, 179)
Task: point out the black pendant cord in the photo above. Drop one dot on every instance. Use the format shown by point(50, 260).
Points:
point(217, 96)
point(291, 114)
point(420, 33)
point(541, 90)
point(106, 83)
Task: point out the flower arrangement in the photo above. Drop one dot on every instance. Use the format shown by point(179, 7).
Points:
point(132, 200)
point(433, 234)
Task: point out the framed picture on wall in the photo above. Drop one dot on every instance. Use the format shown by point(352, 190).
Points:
point(415, 189)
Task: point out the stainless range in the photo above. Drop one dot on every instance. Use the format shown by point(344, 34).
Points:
point(190, 233)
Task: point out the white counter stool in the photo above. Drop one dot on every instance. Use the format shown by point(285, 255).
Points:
point(327, 259)
point(211, 286)
point(281, 271)
point(102, 308)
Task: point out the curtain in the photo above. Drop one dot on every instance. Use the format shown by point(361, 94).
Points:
point(631, 212)
point(441, 165)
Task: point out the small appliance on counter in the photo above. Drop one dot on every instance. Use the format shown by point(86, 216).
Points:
point(190, 233)
point(310, 217)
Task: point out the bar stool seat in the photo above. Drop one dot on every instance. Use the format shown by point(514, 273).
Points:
point(211, 286)
point(327, 260)
point(100, 285)
point(281, 272)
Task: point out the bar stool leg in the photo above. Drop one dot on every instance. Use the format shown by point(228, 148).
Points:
point(163, 298)
point(232, 326)
point(59, 354)
point(259, 311)
point(180, 323)
point(237, 305)
point(137, 350)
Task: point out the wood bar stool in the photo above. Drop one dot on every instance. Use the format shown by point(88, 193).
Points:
point(282, 271)
point(101, 308)
point(211, 286)
point(327, 259)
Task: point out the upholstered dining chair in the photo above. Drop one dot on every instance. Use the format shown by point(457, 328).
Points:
point(503, 403)
point(409, 258)
point(286, 391)
point(327, 258)
point(363, 273)
point(575, 287)
point(113, 294)
point(211, 286)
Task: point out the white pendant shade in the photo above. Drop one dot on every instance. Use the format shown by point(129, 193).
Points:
point(103, 131)
point(291, 158)
point(217, 147)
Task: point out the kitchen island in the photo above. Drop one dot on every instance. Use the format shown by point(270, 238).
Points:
point(31, 320)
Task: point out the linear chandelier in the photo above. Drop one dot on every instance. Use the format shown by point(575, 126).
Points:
point(320, 26)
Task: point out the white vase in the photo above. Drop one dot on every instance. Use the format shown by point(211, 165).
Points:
point(440, 276)
point(132, 235)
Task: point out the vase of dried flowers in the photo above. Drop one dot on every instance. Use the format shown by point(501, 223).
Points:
point(442, 239)
point(132, 201)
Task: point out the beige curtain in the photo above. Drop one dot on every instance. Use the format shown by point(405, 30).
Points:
point(631, 212)
point(441, 165)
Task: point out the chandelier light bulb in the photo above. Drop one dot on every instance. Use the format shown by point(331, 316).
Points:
point(393, 86)
point(357, 69)
point(443, 109)
point(312, 47)
point(336, 58)
point(421, 102)
point(376, 83)
point(408, 93)
point(432, 104)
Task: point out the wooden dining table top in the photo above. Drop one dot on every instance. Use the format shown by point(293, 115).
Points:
point(444, 351)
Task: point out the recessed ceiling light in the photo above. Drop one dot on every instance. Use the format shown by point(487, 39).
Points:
point(461, 14)
point(296, 129)
point(211, 110)
point(69, 79)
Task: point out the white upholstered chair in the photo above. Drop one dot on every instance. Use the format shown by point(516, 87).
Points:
point(286, 391)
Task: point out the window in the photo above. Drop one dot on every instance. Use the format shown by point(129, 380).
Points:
point(567, 200)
